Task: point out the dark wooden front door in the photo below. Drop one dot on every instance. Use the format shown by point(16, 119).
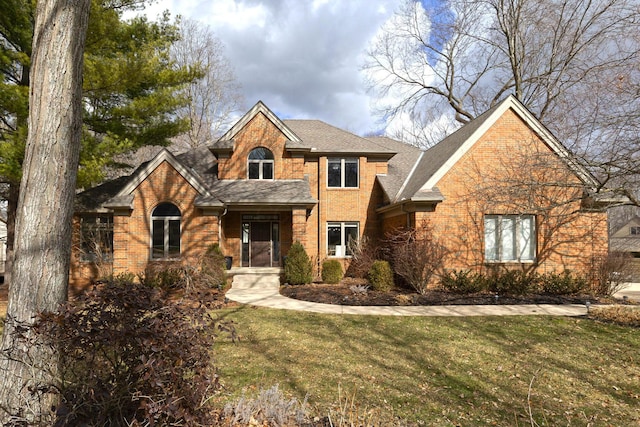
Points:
point(260, 244)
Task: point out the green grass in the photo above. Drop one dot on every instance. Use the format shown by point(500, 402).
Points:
point(441, 371)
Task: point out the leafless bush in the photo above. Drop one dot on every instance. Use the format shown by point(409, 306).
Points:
point(364, 253)
point(269, 408)
point(415, 255)
point(610, 273)
point(129, 357)
point(191, 276)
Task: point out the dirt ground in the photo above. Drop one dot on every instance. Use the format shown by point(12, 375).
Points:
point(346, 293)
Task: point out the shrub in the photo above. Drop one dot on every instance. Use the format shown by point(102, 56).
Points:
point(610, 273)
point(381, 276)
point(165, 276)
point(464, 282)
point(213, 267)
point(331, 271)
point(120, 279)
point(562, 284)
point(297, 268)
point(128, 355)
point(416, 255)
point(270, 407)
point(512, 282)
point(364, 253)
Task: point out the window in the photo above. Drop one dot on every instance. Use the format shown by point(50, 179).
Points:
point(96, 238)
point(634, 231)
point(260, 164)
point(339, 237)
point(342, 173)
point(165, 231)
point(509, 238)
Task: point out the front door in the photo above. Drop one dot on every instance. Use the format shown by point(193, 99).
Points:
point(260, 240)
point(260, 244)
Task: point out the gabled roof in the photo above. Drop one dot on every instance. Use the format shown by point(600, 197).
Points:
point(254, 111)
point(440, 158)
point(164, 156)
point(322, 139)
point(399, 166)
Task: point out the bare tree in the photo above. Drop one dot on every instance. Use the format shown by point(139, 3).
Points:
point(573, 63)
point(45, 207)
point(215, 96)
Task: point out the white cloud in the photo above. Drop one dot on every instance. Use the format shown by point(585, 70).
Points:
point(302, 58)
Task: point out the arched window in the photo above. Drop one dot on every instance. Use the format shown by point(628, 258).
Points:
point(260, 164)
point(165, 231)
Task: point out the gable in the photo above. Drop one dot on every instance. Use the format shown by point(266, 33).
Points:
point(258, 109)
point(145, 171)
point(445, 155)
point(625, 230)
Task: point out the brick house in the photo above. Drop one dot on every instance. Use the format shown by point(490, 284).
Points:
point(500, 191)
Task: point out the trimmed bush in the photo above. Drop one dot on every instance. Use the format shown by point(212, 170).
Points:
point(562, 284)
point(464, 282)
point(381, 276)
point(298, 268)
point(512, 282)
point(332, 271)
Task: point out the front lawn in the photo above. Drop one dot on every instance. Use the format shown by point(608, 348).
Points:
point(440, 371)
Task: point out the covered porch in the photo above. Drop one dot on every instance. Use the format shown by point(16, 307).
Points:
point(262, 219)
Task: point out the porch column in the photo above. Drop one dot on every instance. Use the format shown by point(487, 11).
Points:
point(121, 257)
point(299, 226)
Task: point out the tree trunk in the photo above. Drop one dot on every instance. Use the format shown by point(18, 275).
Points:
point(45, 207)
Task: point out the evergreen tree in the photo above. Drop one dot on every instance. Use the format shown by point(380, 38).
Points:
point(130, 91)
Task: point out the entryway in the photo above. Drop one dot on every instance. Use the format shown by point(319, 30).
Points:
point(260, 240)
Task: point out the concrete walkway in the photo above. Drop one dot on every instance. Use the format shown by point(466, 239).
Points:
point(263, 290)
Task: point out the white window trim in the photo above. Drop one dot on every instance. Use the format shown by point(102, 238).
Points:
point(343, 161)
point(166, 220)
point(344, 243)
point(261, 163)
point(518, 249)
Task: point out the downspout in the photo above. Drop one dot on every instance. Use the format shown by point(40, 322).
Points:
point(220, 230)
point(319, 239)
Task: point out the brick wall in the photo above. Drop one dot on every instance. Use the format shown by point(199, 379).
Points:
point(260, 132)
point(511, 171)
point(132, 238)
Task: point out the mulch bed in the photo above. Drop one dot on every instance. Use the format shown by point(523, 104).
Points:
point(342, 294)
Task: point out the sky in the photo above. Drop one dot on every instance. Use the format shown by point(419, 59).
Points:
point(302, 58)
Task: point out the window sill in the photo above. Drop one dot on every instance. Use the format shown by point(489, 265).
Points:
point(533, 261)
point(344, 188)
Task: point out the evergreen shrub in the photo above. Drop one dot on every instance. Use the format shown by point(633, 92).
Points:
point(381, 276)
point(332, 271)
point(298, 268)
point(464, 282)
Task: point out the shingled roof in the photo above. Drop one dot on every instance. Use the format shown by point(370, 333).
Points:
point(436, 156)
point(322, 138)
